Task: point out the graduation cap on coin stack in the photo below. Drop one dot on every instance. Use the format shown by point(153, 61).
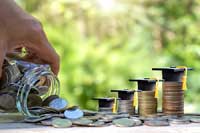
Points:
point(148, 89)
point(175, 82)
point(125, 101)
point(174, 74)
point(107, 105)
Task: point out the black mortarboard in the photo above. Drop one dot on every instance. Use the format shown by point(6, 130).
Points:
point(145, 84)
point(125, 94)
point(105, 102)
point(172, 73)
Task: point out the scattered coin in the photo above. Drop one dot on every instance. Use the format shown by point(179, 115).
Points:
point(73, 114)
point(58, 103)
point(7, 101)
point(156, 123)
point(179, 121)
point(47, 122)
point(97, 124)
point(195, 120)
point(123, 122)
point(49, 99)
point(82, 122)
point(61, 123)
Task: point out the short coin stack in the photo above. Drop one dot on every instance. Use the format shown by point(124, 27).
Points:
point(173, 98)
point(147, 103)
point(125, 101)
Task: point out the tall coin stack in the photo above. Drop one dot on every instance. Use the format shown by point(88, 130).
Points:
point(125, 101)
point(146, 96)
point(173, 98)
point(173, 89)
point(147, 103)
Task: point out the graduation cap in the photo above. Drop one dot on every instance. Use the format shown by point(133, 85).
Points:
point(174, 74)
point(145, 84)
point(105, 102)
point(125, 94)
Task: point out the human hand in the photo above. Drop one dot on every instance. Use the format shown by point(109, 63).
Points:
point(20, 30)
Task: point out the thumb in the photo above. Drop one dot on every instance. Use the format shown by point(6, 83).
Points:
point(2, 56)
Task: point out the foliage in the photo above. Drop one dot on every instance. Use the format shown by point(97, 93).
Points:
point(103, 43)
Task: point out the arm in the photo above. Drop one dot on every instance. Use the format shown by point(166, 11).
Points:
point(19, 29)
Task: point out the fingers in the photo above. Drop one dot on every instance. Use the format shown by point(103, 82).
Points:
point(2, 55)
point(42, 51)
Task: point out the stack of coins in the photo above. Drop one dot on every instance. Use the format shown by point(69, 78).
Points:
point(147, 103)
point(173, 98)
point(126, 106)
point(125, 101)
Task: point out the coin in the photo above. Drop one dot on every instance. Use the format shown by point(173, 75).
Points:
point(156, 123)
point(138, 122)
point(49, 99)
point(82, 122)
point(97, 124)
point(73, 114)
point(123, 122)
point(58, 103)
point(46, 122)
point(61, 123)
point(179, 121)
point(195, 120)
point(89, 112)
point(34, 100)
point(7, 101)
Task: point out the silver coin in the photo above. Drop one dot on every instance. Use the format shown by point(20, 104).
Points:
point(97, 124)
point(73, 114)
point(123, 122)
point(82, 122)
point(61, 123)
point(58, 103)
point(46, 122)
point(156, 123)
point(179, 121)
point(195, 120)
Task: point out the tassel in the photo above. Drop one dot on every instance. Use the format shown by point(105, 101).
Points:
point(184, 78)
point(114, 105)
point(135, 97)
point(156, 89)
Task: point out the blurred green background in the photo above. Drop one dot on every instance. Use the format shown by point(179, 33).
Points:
point(103, 43)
